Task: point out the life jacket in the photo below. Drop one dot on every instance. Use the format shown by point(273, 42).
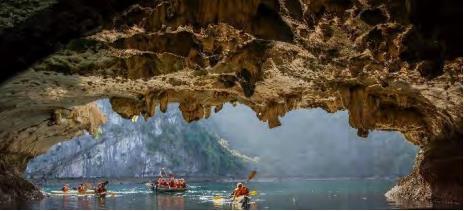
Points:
point(236, 192)
point(100, 190)
point(243, 191)
point(81, 189)
point(65, 189)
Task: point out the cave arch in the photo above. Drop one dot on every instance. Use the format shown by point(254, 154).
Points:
point(338, 62)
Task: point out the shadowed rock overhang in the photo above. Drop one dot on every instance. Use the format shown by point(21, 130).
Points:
point(391, 64)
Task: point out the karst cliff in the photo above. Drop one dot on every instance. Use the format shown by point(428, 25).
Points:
point(392, 64)
point(137, 148)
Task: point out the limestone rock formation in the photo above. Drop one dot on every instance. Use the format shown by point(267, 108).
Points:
point(33, 135)
point(140, 148)
point(393, 64)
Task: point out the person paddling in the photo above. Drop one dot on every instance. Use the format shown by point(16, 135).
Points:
point(172, 183)
point(182, 183)
point(81, 189)
point(240, 190)
point(241, 196)
point(101, 189)
point(65, 188)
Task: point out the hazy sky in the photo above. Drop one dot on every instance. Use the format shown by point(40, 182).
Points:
point(310, 141)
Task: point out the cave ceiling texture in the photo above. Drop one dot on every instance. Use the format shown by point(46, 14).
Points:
point(394, 65)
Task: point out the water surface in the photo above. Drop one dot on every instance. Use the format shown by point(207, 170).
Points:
point(301, 194)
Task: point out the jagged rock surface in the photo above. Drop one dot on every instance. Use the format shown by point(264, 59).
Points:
point(390, 63)
point(29, 140)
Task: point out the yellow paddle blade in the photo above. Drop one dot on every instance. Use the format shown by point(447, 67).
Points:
point(217, 197)
point(251, 175)
point(253, 193)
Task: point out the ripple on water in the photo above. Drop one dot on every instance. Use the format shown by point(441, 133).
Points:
point(306, 194)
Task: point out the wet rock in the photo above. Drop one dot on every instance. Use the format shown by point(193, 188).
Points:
point(12, 185)
point(38, 139)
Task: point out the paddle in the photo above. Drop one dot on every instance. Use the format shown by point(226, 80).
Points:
point(251, 175)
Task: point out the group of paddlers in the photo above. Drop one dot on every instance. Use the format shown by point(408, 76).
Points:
point(171, 182)
point(100, 189)
point(161, 183)
point(167, 183)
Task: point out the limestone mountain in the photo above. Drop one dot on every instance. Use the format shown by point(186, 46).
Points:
point(135, 148)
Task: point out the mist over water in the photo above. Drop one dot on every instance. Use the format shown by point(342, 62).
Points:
point(314, 143)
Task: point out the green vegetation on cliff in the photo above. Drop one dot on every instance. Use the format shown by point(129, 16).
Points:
point(140, 149)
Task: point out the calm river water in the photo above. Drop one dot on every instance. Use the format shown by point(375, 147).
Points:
point(302, 194)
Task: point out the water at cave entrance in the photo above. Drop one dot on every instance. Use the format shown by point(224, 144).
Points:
point(301, 165)
point(293, 194)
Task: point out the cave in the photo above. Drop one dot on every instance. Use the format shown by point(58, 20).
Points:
point(397, 71)
point(222, 148)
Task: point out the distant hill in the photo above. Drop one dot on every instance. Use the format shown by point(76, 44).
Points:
point(139, 149)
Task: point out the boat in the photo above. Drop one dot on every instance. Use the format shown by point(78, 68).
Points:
point(165, 180)
point(169, 190)
point(160, 189)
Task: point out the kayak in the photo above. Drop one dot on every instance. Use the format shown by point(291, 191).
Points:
point(71, 193)
point(101, 195)
point(241, 202)
point(75, 193)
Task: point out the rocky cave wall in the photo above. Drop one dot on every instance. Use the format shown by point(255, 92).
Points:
point(391, 63)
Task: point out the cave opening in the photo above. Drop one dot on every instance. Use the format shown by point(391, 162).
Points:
point(309, 145)
point(238, 128)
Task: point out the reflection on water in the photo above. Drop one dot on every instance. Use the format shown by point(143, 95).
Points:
point(171, 202)
point(218, 202)
point(309, 194)
point(84, 203)
point(101, 203)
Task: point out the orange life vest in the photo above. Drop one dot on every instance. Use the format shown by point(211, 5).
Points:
point(65, 189)
point(243, 191)
point(81, 189)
